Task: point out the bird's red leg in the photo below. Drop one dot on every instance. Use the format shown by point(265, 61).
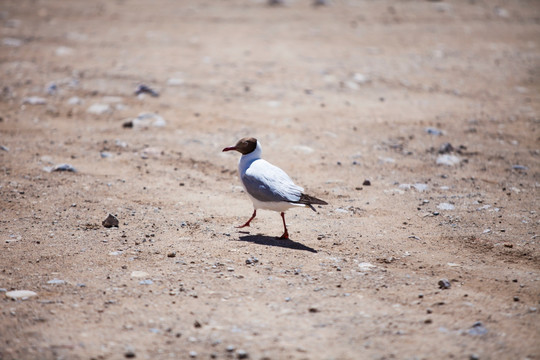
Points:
point(286, 233)
point(251, 218)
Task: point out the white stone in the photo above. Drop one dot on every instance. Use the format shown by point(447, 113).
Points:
point(445, 206)
point(448, 160)
point(139, 274)
point(365, 266)
point(20, 294)
point(99, 109)
point(34, 100)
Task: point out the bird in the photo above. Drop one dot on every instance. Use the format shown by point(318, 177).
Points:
point(268, 187)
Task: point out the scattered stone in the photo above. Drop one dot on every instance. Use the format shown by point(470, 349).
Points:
point(146, 282)
point(445, 206)
point(242, 354)
point(313, 309)
point(477, 329)
point(74, 100)
point(444, 284)
point(20, 294)
point(13, 42)
point(110, 221)
point(139, 274)
point(197, 324)
point(99, 109)
point(365, 266)
point(361, 78)
point(60, 167)
point(56, 282)
point(146, 120)
point(63, 51)
point(516, 298)
point(428, 321)
point(130, 354)
point(51, 89)
point(520, 167)
point(448, 160)
point(230, 348)
point(105, 155)
point(175, 81)
point(34, 100)
point(4, 148)
point(433, 131)
point(171, 254)
point(193, 354)
point(474, 357)
point(145, 89)
point(252, 260)
point(446, 148)
point(366, 183)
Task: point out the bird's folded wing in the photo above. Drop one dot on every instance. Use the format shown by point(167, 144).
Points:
point(266, 182)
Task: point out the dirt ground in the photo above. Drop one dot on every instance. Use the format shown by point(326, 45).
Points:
point(436, 104)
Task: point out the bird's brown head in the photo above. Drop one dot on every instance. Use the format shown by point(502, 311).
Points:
point(244, 146)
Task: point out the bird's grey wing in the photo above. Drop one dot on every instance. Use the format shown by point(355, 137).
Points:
point(266, 182)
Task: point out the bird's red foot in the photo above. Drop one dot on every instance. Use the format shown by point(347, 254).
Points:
point(247, 223)
point(285, 235)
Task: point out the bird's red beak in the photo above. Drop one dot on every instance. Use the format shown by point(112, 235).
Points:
point(229, 148)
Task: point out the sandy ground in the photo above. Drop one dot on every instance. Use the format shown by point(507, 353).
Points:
point(338, 94)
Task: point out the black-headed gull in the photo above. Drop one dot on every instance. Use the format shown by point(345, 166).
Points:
point(268, 187)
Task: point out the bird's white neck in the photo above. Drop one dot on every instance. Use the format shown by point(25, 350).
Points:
point(247, 159)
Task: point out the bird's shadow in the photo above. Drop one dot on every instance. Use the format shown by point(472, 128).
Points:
point(274, 241)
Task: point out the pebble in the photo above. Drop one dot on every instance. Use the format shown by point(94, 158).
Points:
point(34, 100)
point(130, 354)
point(444, 284)
point(193, 354)
point(171, 254)
point(252, 260)
point(477, 329)
point(99, 109)
point(313, 309)
point(446, 148)
point(110, 221)
point(365, 266)
point(366, 183)
point(230, 348)
point(448, 160)
point(433, 131)
point(60, 167)
point(139, 274)
point(361, 78)
point(4, 148)
point(519, 167)
point(63, 51)
point(516, 298)
point(20, 294)
point(175, 81)
point(242, 354)
point(145, 89)
point(74, 100)
point(56, 282)
point(13, 42)
point(474, 357)
point(146, 120)
point(146, 282)
point(445, 206)
point(51, 89)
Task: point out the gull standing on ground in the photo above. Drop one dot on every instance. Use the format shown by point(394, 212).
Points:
point(268, 187)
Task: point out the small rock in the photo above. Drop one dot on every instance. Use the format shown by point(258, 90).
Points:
point(365, 266)
point(63, 51)
point(146, 120)
point(56, 282)
point(130, 354)
point(146, 282)
point(197, 324)
point(519, 167)
point(313, 309)
point(242, 354)
point(139, 274)
point(171, 254)
point(433, 131)
point(110, 221)
point(444, 284)
point(516, 298)
point(448, 160)
point(4, 148)
point(193, 354)
point(366, 183)
point(74, 100)
point(474, 357)
point(446, 148)
point(477, 329)
point(51, 89)
point(445, 206)
point(13, 42)
point(20, 294)
point(62, 167)
point(230, 348)
point(34, 100)
point(99, 109)
point(145, 89)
